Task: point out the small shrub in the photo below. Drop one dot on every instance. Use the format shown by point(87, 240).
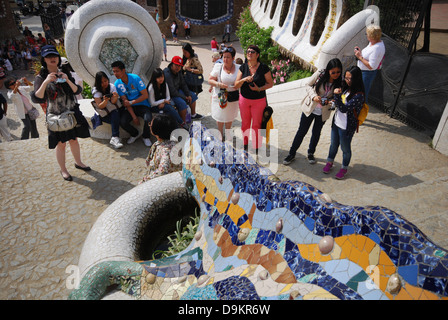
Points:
point(249, 33)
point(299, 74)
point(181, 238)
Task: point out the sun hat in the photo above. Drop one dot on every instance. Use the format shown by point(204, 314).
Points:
point(177, 60)
point(48, 49)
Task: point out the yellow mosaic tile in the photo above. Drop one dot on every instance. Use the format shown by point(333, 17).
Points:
point(320, 294)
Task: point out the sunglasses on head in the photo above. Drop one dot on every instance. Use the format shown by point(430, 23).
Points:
point(228, 50)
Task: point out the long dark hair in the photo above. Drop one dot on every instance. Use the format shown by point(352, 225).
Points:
point(357, 85)
point(187, 47)
point(159, 93)
point(98, 79)
point(332, 64)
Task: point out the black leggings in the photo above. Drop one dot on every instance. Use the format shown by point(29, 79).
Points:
point(29, 126)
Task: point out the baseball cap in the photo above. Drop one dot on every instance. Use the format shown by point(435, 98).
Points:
point(48, 49)
point(177, 60)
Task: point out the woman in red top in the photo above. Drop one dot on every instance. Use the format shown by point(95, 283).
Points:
point(214, 44)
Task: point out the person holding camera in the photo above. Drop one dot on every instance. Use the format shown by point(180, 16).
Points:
point(320, 89)
point(371, 57)
point(348, 100)
point(107, 105)
point(58, 89)
point(19, 94)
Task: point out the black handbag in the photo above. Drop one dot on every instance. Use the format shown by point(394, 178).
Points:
point(193, 79)
point(233, 96)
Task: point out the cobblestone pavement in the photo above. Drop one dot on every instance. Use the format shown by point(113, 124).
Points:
point(44, 220)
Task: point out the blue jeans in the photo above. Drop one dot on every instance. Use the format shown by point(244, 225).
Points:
point(304, 126)
point(339, 137)
point(367, 78)
point(140, 111)
point(113, 118)
point(169, 109)
point(180, 103)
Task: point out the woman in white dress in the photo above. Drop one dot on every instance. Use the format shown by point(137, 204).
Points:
point(224, 95)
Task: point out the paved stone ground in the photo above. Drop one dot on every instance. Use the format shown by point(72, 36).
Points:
point(44, 220)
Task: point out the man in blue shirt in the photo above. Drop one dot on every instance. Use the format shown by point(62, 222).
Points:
point(134, 95)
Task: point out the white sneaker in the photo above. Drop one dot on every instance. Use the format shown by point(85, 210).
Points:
point(132, 139)
point(116, 143)
point(147, 142)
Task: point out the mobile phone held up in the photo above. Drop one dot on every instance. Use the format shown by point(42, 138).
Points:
point(60, 79)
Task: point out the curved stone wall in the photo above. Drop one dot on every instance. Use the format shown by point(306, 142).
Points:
point(120, 231)
point(310, 29)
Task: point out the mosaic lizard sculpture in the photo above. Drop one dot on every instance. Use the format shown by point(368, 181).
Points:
point(260, 238)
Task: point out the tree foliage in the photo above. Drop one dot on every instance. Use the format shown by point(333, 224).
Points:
point(249, 33)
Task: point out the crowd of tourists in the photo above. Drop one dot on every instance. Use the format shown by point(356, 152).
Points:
point(169, 102)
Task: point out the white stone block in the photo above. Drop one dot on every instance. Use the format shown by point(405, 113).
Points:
point(103, 31)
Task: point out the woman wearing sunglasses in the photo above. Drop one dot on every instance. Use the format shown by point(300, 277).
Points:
point(320, 89)
point(58, 90)
point(348, 101)
point(254, 78)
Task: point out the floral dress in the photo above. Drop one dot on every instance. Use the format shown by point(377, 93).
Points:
point(158, 162)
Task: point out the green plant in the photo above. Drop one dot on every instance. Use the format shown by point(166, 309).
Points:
point(86, 91)
point(299, 74)
point(249, 33)
point(181, 238)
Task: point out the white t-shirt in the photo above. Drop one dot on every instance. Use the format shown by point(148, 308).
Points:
point(224, 77)
point(98, 94)
point(374, 54)
point(340, 118)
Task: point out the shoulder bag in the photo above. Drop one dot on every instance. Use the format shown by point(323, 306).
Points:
point(61, 122)
point(231, 96)
point(105, 111)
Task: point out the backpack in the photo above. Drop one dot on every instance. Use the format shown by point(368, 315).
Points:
point(363, 114)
